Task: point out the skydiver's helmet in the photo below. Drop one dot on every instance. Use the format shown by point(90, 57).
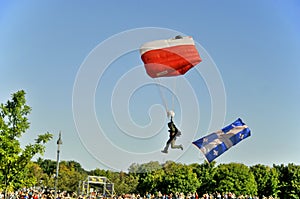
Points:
point(170, 114)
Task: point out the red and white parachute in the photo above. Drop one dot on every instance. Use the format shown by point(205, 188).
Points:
point(171, 57)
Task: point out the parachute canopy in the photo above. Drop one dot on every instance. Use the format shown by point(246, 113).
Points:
point(171, 57)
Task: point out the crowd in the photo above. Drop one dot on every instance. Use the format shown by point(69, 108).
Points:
point(159, 195)
point(215, 195)
point(34, 194)
point(46, 194)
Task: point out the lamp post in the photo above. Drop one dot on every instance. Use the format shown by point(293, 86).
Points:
point(59, 142)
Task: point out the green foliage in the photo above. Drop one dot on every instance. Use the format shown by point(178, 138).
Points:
point(235, 178)
point(266, 179)
point(150, 180)
point(178, 178)
point(14, 159)
point(144, 168)
point(289, 178)
point(69, 176)
point(174, 177)
point(124, 183)
point(205, 173)
point(98, 172)
point(168, 178)
point(149, 175)
point(74, 166)
point(30, 176)
point(48, 166)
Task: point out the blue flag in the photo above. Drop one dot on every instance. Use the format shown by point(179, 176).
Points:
point(214, 144)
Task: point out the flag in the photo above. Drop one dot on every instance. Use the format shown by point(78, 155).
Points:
point(216, 143)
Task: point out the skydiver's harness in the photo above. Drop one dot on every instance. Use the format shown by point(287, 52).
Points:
point(173, 129)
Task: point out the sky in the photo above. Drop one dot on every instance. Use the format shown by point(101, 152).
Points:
point(79, 64)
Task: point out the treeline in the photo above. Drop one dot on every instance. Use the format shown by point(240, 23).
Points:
point(281, 181)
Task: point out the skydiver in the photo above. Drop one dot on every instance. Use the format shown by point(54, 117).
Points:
point(174, 132)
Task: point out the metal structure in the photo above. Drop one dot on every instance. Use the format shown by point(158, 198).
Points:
point(97, 185)
point(59, 142)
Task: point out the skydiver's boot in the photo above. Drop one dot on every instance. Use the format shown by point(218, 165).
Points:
point(181, 147)
point(165, 149)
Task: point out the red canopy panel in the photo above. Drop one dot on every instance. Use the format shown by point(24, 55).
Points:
point(172, 57)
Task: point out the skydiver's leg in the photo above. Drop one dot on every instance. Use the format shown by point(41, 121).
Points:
point(174, 146)
point(170, 139)
point(167, 145)
point(166, 148)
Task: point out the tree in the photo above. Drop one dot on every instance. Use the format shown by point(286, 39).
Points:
point(99, 172)
point(236, 178)
point(178, 178)
point(48, 166)
point(34, 174)
point(75, 166)
point(289, 178)
point(123, 182)
point(266, 179)
point(205, 173)
point(69, 176)
point(144, 168)
point(13, 124)
point(148, 176)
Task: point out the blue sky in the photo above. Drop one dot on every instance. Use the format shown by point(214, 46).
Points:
point(253, 45)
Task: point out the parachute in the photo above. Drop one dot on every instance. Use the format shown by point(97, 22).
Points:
point(171, 57)
point(167, 58)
